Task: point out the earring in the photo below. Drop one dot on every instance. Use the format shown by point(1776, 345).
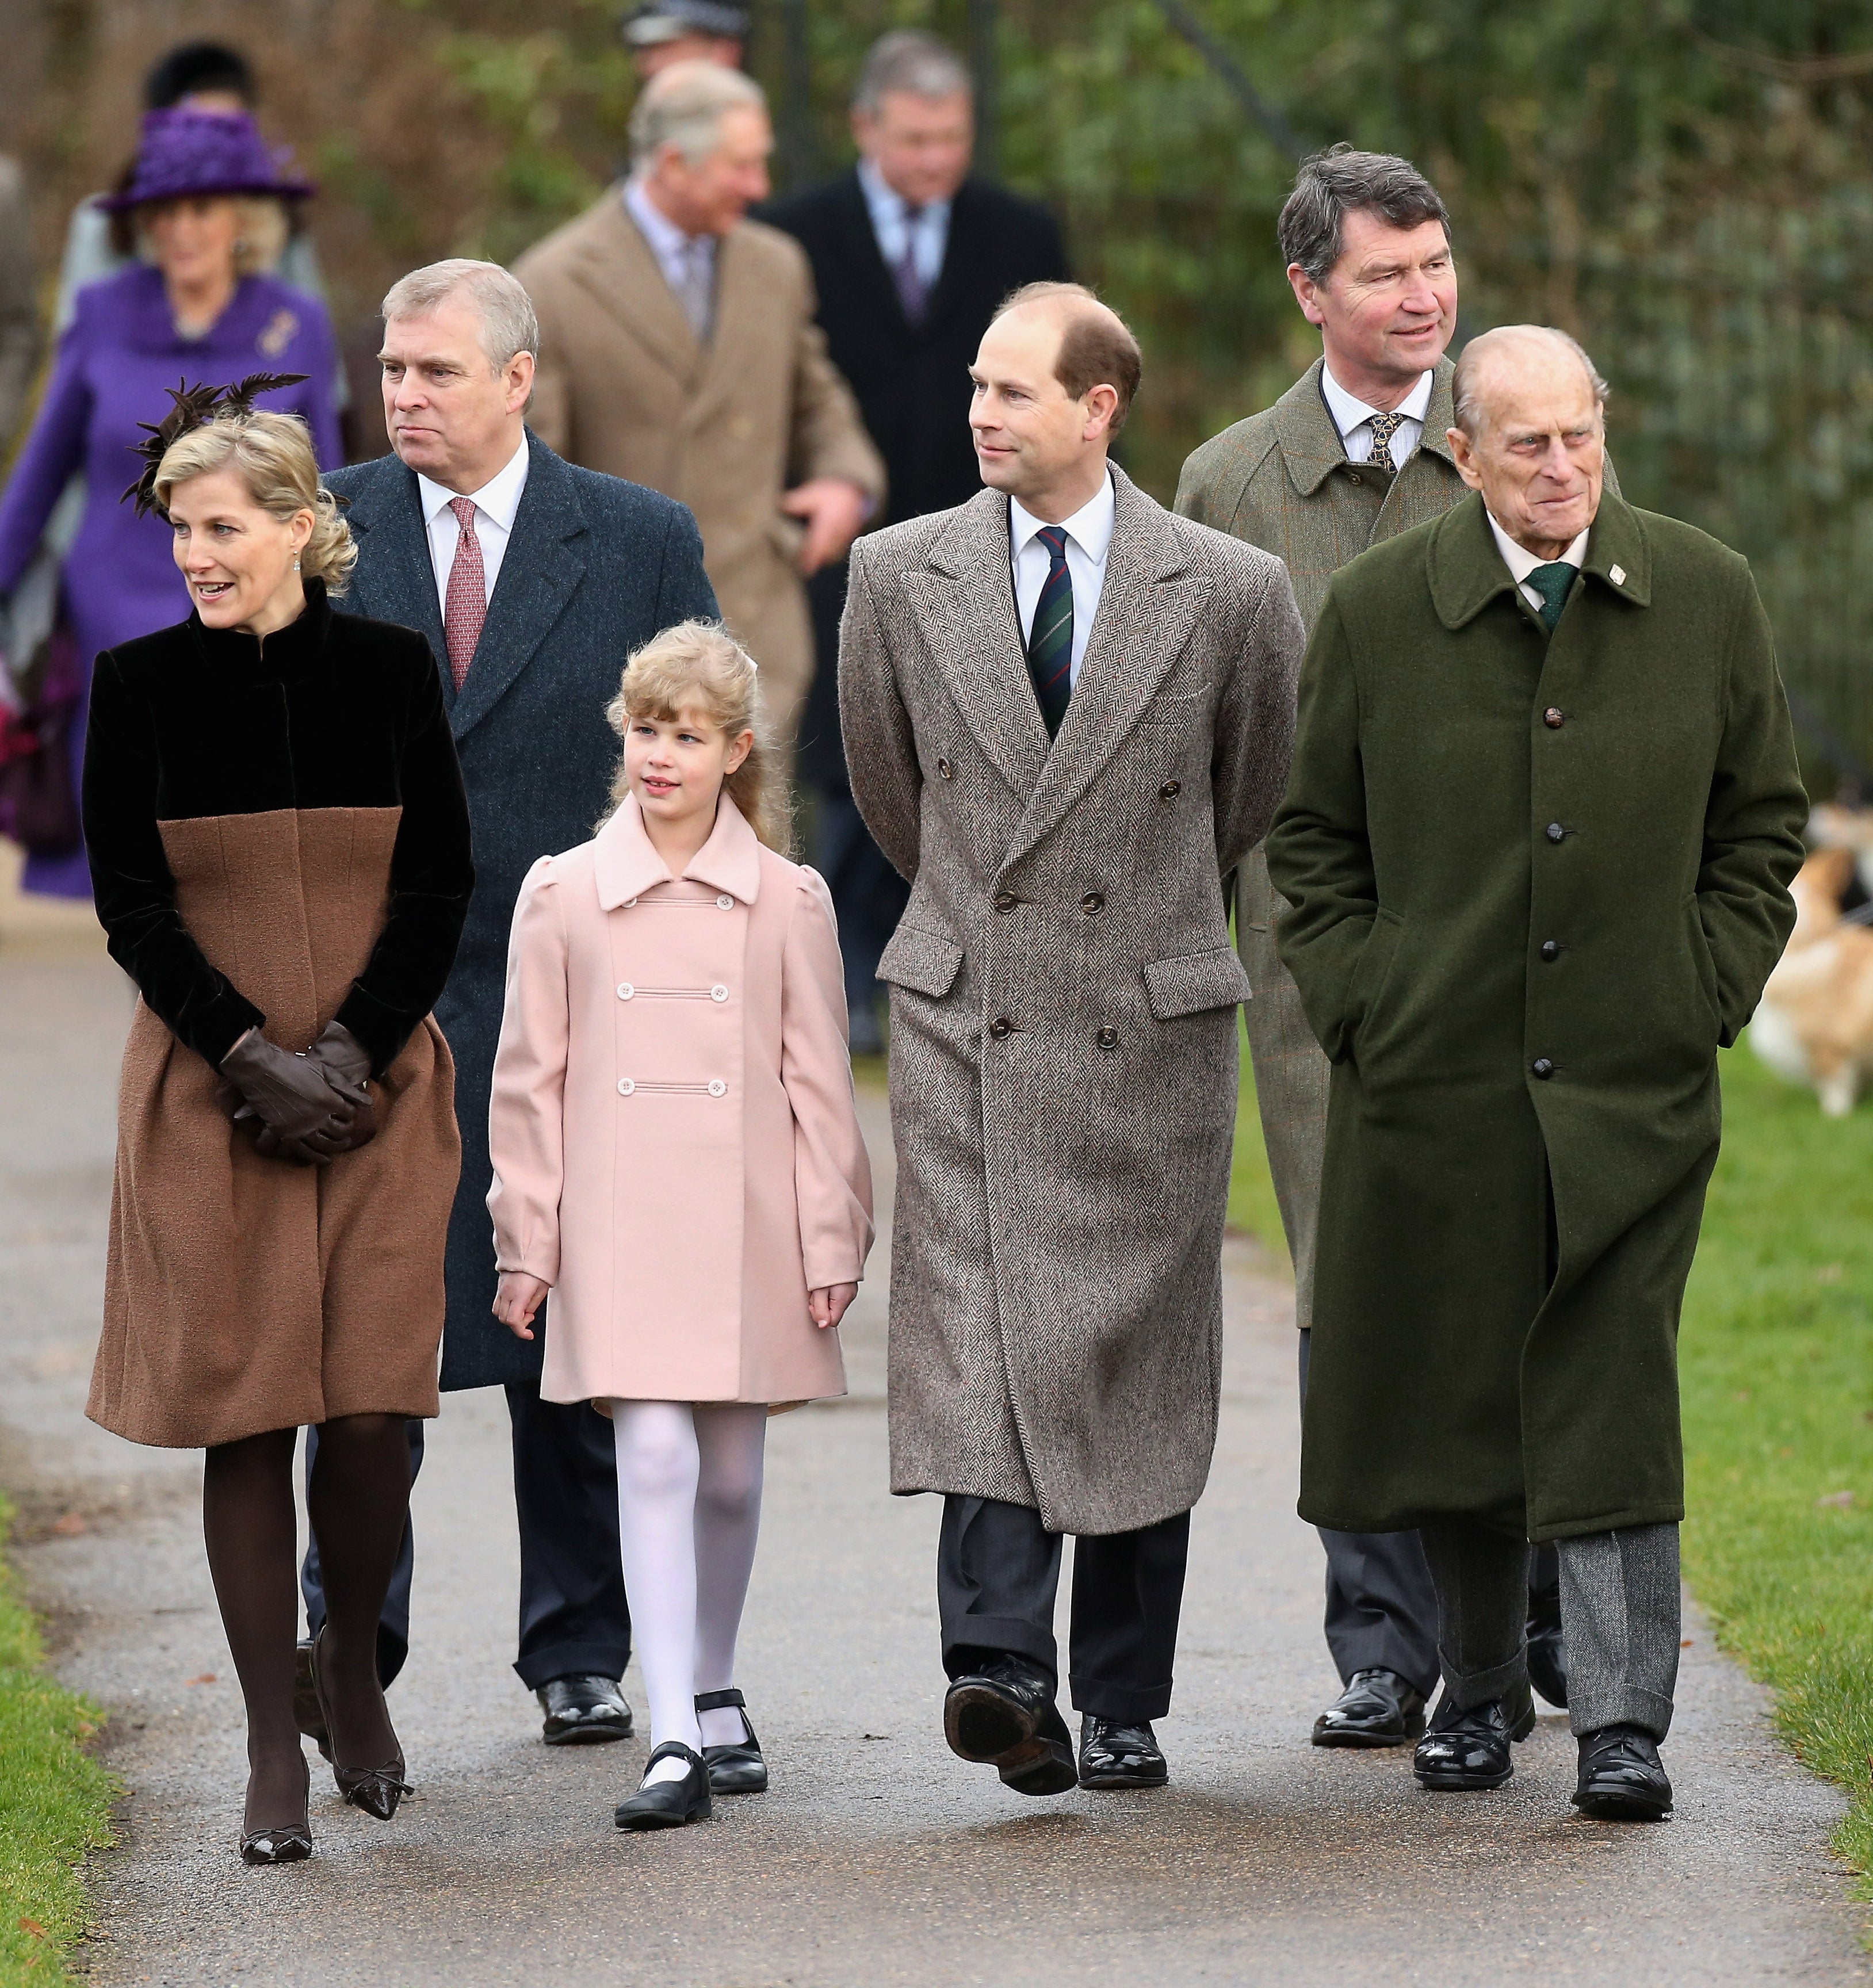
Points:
point(296, 561)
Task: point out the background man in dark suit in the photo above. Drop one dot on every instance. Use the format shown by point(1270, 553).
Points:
point(911, 255)
point(533, 580)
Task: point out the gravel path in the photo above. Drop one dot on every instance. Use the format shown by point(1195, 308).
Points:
point(877, 1858)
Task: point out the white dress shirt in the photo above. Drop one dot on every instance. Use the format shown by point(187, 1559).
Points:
point(1521, 562)
point(1089, 539)
point(496, 504)
point(891, 223)
point(683, 259)
point(1353, 419)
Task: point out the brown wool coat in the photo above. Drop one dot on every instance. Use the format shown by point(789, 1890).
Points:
point(1063, 997)
point(625, 386)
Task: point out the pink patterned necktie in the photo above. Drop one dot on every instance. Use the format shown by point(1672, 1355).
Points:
point(466, 606)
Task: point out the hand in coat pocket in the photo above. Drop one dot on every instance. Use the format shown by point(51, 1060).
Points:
point(516, 1299)
point(827, 1304)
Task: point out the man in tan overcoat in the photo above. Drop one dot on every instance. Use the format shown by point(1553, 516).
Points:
point(678, 349)
point(1066, 715)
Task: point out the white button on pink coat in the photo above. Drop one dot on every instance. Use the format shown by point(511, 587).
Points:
point(676, 1147)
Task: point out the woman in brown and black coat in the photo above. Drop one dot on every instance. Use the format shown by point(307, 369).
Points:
point(279, 848)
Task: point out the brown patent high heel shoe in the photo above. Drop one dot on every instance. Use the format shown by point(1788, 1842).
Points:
point(376, 1790)
point(290, 1844)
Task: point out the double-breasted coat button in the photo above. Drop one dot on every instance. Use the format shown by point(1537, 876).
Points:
point(625, 1086)
point(944, 770)
point(718, 1088)
point(1108, 1039)
point(1092, 903)
point(724, 903)
point(1170, 790)
point(625, 990)
point(718, 992)
point(1549, 950)
point(1542, 1068)
point(1001, 1026)
point(1006, 900)
point(1555, 831)
point(1553, 718)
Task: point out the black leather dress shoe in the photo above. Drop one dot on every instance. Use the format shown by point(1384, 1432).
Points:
point(1547, 1663)
point(1004, 1714)
point(1113, 1756)
point(1466, 1751)
point(1622, 1779)
point(668, 1804)
point(583, 1712)
point(737, 1768)
point(1376, 1708)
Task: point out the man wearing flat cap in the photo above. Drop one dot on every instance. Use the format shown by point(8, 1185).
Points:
point(663, 31)
point(1543, 817)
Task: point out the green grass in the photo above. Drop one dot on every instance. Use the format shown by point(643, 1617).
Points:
point(1777, 1359)
point(55, 1799)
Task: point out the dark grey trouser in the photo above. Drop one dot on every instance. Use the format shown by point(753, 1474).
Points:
point(1620, 1613)
point(1381, 1608)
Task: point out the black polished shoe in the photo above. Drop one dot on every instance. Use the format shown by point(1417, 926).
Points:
point(306, 1715)
point(1004, 1714)
point(1116, 1756)
point(289, 1843)
point(1622, 1779)
point(668, 1804)
point(1547, 1663)
point(1378, 1708)
point(737, 1768)
point(376, 1790)
point(583, 1712)
point(1466, 1750)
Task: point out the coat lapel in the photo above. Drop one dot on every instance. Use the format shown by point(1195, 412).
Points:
point(1147, 607)
point(396, 579)
point(616, 265)
point(539, 572)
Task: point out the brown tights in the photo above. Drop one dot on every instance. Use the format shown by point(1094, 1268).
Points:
point(357, 1501)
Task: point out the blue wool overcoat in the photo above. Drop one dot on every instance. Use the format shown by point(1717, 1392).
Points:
point(595, 567)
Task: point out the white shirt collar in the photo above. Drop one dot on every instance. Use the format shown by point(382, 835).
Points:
point(887, 203)
point(1089, 527)
point(1348, 413)
point(1521, 562)
point(499, 497)
point(668, 242)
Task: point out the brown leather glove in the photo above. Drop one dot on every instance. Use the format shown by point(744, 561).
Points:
point(303, 1118)
point(346, 1065)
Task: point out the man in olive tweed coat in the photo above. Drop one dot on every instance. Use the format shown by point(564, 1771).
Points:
point(1062, 1044)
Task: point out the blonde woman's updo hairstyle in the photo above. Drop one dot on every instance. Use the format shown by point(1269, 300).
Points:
point(700, 664)
point(272, 453)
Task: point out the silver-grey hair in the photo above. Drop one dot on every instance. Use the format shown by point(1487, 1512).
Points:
point(508, 325)
point(912, 61)
point(1468, 402)
point(683, 105)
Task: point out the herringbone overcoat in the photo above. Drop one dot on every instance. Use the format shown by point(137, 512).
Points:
point(1063, 997)
point(1534, 882)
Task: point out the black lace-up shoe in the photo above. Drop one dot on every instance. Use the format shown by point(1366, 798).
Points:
point(1115, 1755)
point(1622, 1779)
point(583, 1712)
point(1376, 1708)
point(1469, 1749)
point(1004, 1714)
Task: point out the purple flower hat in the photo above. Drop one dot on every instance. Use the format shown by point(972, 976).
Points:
point(189, 155)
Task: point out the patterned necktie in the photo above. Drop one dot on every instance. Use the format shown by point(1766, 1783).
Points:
point(1049, 648)
point(466, 606)
point(912, 294)
point(696, 292)
point(1383, 427)
point(1553, 583)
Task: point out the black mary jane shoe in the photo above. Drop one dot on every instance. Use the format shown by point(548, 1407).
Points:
point(668, 1804)
point(1004, 1714)
point(1378, 1707)
point(738, 1769)
point(583, 1712)
point(1622, 1779)
point(1113, 1755)
point(376, 1790)
point(1467, 1751)
point(290, 1843)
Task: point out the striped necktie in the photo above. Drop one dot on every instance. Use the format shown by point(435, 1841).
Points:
point(1049, 648)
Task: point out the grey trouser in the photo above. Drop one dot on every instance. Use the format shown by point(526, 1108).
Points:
point(1620, 1613)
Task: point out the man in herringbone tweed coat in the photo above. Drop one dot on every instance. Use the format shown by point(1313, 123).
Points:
point(1067, 715)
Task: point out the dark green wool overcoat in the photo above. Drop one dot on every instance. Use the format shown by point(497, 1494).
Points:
point(1536, 881)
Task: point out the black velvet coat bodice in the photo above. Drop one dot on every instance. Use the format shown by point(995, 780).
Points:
point(331, 712)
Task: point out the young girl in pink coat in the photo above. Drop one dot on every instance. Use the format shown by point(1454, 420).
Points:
point(677, 1159)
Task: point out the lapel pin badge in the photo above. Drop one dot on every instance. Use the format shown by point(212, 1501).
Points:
point(1616, 574)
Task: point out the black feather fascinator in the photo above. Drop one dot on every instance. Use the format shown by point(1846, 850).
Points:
point(194, 407)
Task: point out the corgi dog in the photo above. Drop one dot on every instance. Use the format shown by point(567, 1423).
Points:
point(1815, 1024)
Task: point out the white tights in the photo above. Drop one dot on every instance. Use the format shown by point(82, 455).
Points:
point(689, 1509)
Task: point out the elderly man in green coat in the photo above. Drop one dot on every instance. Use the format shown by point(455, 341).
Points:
point(1543, 814)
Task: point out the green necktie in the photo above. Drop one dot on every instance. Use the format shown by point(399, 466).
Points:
point(1552, 582)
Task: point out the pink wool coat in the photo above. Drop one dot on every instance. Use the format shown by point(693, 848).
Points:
point(676, 1149)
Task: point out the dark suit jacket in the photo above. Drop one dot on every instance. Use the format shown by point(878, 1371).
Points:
point(595, 567)
point(913, 385)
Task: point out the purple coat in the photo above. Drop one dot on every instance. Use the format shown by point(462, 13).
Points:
point(115, 362)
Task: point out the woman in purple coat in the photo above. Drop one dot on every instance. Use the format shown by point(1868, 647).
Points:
point(200, 201)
